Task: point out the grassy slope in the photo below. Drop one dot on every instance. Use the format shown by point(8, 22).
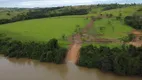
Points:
point(120, 29)
point(115, 30)
point(3, 13)
point(95, 11)
point(39, 29)
point(42, 29)
point(138, 13)
point(125, 11)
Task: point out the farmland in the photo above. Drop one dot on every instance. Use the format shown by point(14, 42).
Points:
point(104, 36)
point(125, 11)
point(42, 29)
point(112, 28)
point(56, 27)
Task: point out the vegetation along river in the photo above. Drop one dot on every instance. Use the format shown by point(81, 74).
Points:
point(26, 69)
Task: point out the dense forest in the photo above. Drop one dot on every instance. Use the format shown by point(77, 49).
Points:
point(126, 60)
point(45, 52)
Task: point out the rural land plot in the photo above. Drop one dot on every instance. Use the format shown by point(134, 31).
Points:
point(110, 29)
point(43, 29)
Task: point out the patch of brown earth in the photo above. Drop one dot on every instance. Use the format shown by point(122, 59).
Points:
point(73, 53)
point(103, 40)
point(89, 26)
point(136, 32)
point(137, 41)
point(87, 38)
point(137, 44)
point(74, 48)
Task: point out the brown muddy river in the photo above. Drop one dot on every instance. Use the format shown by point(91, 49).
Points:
point(26, 69)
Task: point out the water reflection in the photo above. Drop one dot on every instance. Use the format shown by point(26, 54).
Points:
point(26, 69)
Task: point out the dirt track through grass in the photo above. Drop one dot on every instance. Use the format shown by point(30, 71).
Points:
point(76, 42)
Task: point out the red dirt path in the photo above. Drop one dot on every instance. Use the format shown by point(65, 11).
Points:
point(74, 48)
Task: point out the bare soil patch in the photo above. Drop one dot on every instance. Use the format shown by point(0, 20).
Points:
point(137, 41)
point(76, 41)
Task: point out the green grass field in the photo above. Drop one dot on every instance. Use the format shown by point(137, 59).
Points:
point(42, 29)
point(125, 11)
point(112, 28)
point(47, 28)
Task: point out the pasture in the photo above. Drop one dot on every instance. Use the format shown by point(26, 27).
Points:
point(115, 12)
point(42, 29)
point(125, 11)
point(110, 28)
point(56, 27)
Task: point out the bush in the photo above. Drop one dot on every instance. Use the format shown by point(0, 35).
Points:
point(134, 21)
point(45, 52)
point(128, 38)
point(125, 60)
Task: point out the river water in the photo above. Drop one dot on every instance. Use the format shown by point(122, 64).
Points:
point(26, 69)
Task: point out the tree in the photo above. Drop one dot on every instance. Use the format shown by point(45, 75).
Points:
point(118, 60)
point(134, 21)
point(45, 52)
point(64, 37)
point(8, 14)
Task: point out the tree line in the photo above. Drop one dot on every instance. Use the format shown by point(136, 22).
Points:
point(126, 60)
point(36, 13)
point(135, 20)
point(114, 6)
point(44, 13)
point(45, 52)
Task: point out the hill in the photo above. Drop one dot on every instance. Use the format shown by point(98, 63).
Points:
point(43, 29)
point(109, 27)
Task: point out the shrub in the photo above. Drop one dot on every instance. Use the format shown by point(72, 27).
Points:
point(125, 60)
point(45, 52)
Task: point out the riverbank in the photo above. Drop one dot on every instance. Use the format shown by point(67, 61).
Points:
point(34, 70)
point(125, 60)
point(44, 52)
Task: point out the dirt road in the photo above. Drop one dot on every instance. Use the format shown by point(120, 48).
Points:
point(76, 42)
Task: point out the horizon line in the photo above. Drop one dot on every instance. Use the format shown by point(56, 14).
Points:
point(74, 5)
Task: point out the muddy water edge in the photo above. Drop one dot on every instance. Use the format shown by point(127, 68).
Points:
point(26, 69)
